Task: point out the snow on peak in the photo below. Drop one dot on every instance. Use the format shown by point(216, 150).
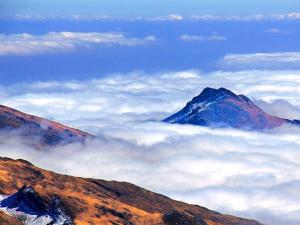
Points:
point(223, 108)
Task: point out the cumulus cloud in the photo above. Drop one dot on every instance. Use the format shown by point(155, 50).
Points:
point(27, 44)
point(278, 60)
point(243, 173)
point(214, 37)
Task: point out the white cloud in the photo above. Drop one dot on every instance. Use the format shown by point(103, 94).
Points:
point(277, 31)
point(171, 17)
point(246, 174)
point(293, 15)
point(273, 30)
point(279, 107)
point(257, 17)
point(243, 173)
point(27, 44)
point(175, 17)
point(231, 18)
point(139, 96)
point(214, 37)
point(95, 17)
point(272, 61)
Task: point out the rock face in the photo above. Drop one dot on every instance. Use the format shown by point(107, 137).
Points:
point(94, 201)
point(40, 131)
point(30, 208)
point(223, 108)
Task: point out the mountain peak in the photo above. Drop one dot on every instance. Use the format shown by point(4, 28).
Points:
point(211, 94)
point(220, 90)
point(223, 108)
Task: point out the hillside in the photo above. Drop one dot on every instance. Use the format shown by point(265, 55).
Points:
point(94, 201)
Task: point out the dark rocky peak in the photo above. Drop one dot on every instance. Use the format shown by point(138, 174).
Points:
point(211, 94)
point(26, 200)
point(29, 203)
point(245, 99)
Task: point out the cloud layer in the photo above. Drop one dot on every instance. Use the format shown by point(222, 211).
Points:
point(279, 60)
point(257, 17)
point(139, 96)
point(27, 44)
point(244, 173)
point(171, 17)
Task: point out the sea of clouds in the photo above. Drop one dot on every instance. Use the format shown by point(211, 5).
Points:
point(249, 174)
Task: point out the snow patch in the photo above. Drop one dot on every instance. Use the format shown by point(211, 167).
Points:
point(28, 219)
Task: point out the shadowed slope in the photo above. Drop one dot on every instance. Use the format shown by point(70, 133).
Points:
point(39, 130)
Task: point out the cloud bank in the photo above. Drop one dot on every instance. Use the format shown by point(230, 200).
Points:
point(248, 174)
point(272, 61)
point(256, 17)
point(27, 44)
point(171, 17)
point(138, 96)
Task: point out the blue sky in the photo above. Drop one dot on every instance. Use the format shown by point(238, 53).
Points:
point(153, 46)
point(51, 44)
point(85, 71)
point(147, 7)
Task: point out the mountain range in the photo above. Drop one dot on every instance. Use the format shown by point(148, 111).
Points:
point(35, 196)
point(223, 108)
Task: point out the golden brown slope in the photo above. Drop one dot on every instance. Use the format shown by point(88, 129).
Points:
point(94, 201)
point(8, 220)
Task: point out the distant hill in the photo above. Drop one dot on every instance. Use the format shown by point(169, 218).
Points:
point(38, 130)
point(223, 108)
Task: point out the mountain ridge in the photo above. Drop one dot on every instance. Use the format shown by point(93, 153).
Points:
point(94, 201)
point(223, 108)
point(41, 131)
